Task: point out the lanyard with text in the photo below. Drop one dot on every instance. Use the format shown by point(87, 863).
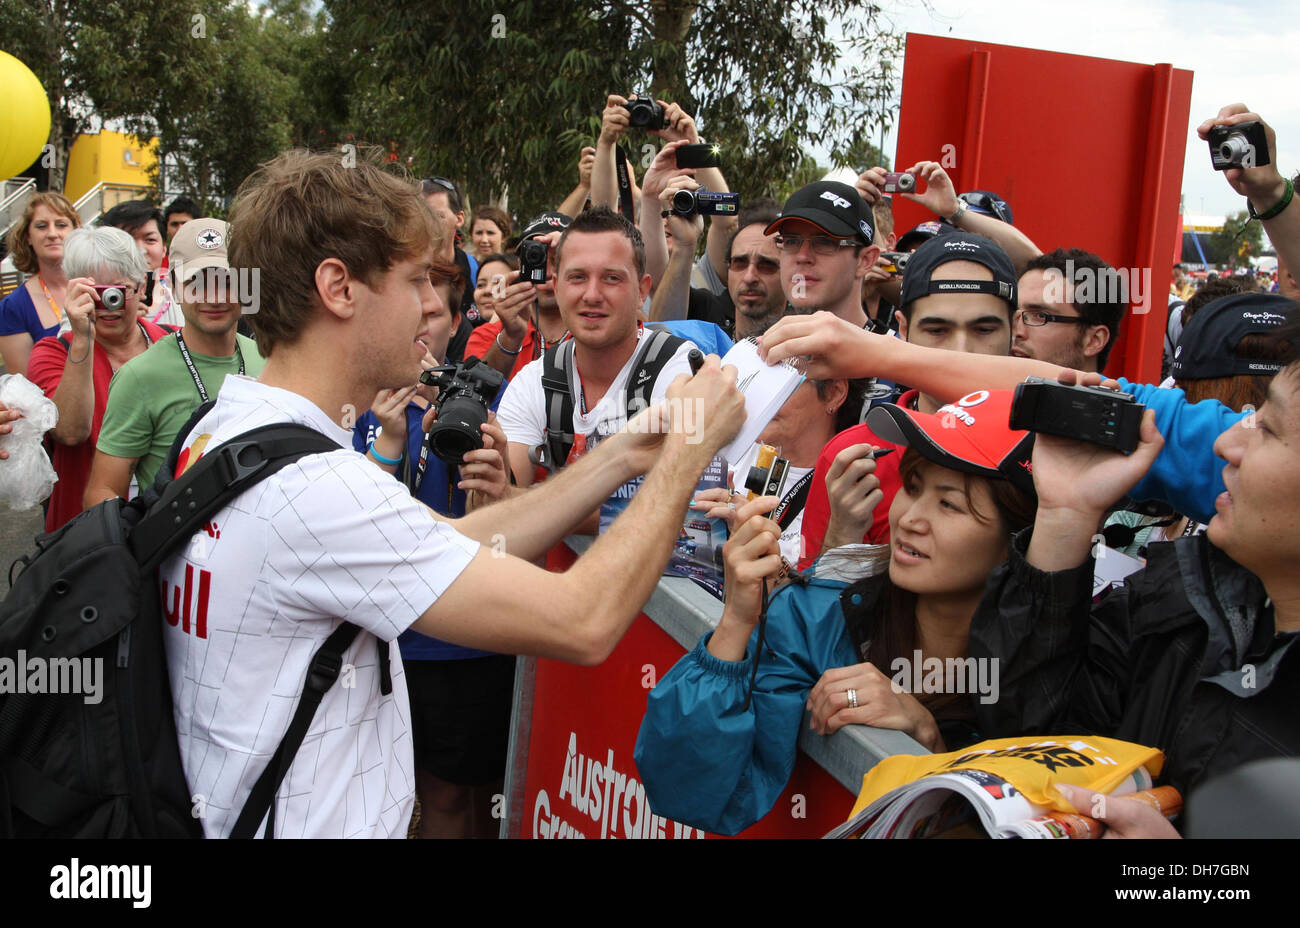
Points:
point(194, 371)
point(793, 502)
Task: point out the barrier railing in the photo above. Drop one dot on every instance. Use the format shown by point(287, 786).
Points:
point(14, 194)
point(102, 197)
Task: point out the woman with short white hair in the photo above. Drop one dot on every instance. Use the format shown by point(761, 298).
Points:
point(106, 275)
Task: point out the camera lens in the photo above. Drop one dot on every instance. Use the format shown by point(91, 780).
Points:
point(906, 183)
point(900, 261)
point(1233, 148)
point(112, 299)
point(684, 202)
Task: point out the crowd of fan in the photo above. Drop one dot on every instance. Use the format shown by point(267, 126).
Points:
point(958, 536)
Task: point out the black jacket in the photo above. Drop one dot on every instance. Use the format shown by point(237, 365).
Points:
point(1183, 658)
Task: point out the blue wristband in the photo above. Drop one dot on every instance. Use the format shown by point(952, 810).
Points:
point(391, 462)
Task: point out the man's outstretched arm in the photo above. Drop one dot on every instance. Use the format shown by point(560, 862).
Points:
point(505, 604)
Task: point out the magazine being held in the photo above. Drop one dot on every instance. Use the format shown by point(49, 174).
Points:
point(1003, 788)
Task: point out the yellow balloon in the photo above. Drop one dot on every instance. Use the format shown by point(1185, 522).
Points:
point(25, 121)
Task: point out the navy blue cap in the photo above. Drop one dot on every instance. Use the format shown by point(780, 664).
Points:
point(988, 203)
point(959, 246)
point(1208, 345)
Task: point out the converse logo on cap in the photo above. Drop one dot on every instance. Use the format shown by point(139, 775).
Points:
point(209, 239)
point(836, 199)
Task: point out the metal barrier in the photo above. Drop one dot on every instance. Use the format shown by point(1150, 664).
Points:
point(102, 197)
point(684, 612)
point(14, 194)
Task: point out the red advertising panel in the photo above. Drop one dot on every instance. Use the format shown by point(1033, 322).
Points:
point(1088, 152)
point(580, 778)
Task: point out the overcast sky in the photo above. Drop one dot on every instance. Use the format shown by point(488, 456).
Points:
point(1247, 52)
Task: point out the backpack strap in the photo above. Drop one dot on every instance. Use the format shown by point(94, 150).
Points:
point(321, 675)
point(220, 475)
point(557, 388)
point(657, 349)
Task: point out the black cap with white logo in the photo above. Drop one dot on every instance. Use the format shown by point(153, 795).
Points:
point(959, 246)
point(835, 208)
point(546, 222)
point(1208, 346)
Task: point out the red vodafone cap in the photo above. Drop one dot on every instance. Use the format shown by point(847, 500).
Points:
point(971, 436)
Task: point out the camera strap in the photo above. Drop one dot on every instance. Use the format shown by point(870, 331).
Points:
point(625, 205)
point(194, 371)
point(793, 502)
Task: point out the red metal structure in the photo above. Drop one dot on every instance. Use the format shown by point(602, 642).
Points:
point(1087, 151)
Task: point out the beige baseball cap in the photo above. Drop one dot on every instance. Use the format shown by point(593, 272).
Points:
point(197, 245)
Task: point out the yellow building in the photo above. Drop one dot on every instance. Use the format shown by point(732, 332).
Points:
point(109, 158)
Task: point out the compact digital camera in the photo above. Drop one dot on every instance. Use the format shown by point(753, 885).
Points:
point(767, 476)
point(532, 260)
point(899, 182)
point(644, 114)
point(110, 297)
point(465, 390)
point(705, 203)
point(1092, 414)
point(1241, 146)
point(897, 260)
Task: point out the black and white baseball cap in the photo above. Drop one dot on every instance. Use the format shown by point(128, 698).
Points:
point(835, 208)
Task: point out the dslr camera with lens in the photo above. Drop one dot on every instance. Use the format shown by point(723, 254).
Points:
point(465, 389)
point(1241, 146)
point(705, 203)
point(532, 260)
point(644, 114)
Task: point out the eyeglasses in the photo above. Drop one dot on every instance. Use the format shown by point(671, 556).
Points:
point(740, 263)
point(821, 244)
point(1034, 317)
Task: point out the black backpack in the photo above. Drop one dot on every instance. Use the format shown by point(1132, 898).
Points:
point(558, 372)
point(70, 768)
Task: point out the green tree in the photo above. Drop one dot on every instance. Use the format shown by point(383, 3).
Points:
point(1237, 242)
point(506, 94)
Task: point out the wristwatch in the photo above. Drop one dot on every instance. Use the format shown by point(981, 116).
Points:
point(955, 218)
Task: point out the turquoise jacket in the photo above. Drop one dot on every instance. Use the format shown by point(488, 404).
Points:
point(706, 761)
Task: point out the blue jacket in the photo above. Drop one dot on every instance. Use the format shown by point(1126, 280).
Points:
point(1187, 475)
point(709, 763)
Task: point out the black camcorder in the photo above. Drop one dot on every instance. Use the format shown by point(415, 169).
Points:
point(644, 114)
point(705, 203)
point(532, 261)
point(1092, 414)
point(465, 390)
point(1241, 146)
